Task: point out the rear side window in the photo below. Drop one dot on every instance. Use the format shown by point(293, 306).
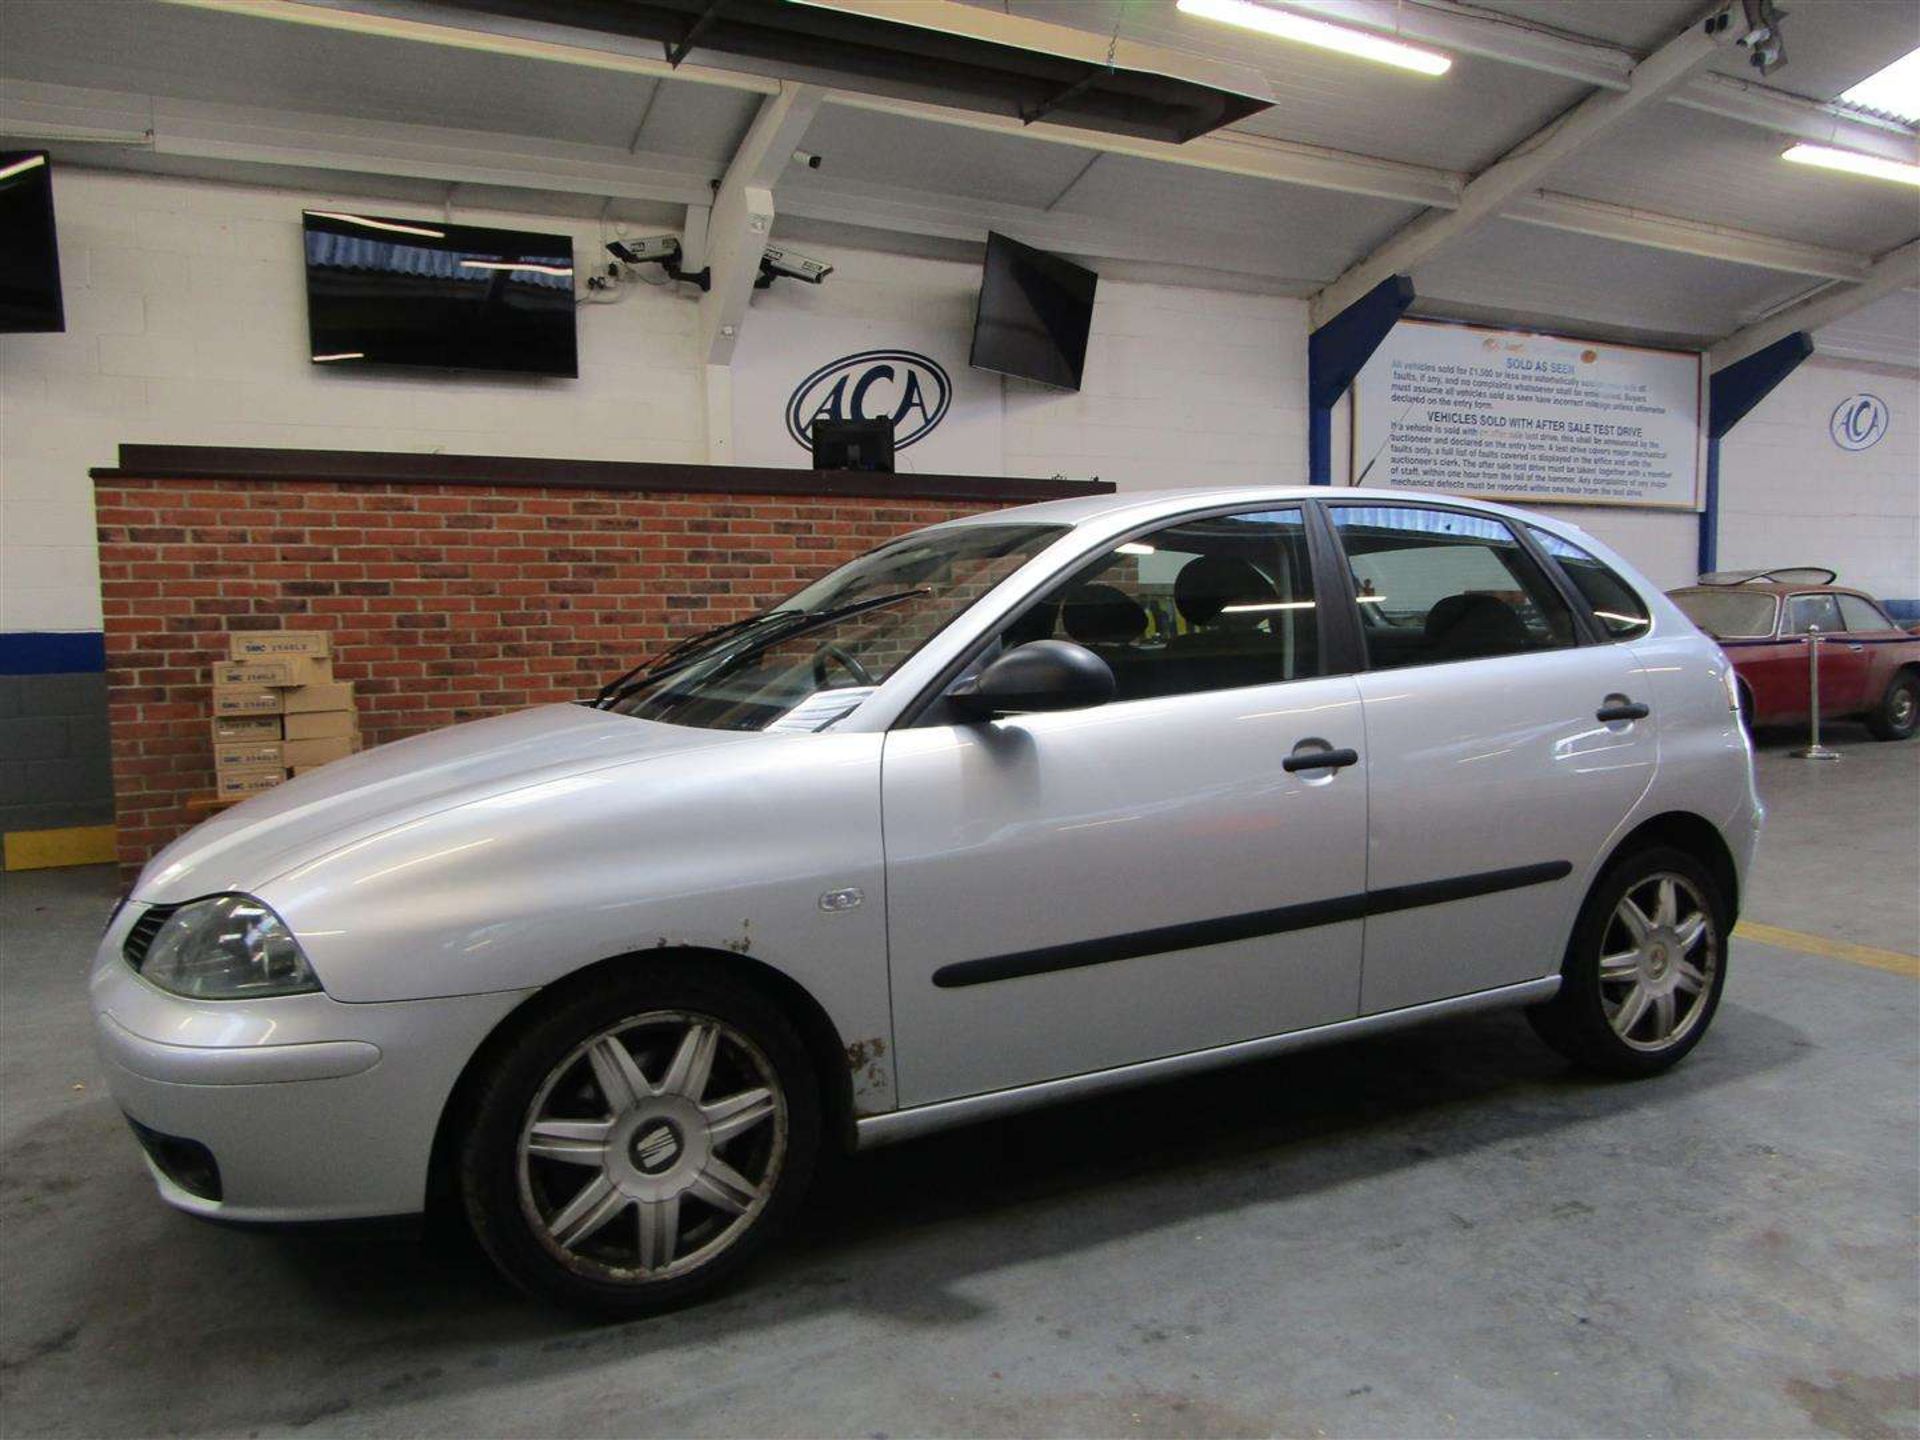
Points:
point(1439, 585)
point(1206, 604)
point(1809, 612)
point(1614, 603)
point(1861, 614)
point(1729, 613)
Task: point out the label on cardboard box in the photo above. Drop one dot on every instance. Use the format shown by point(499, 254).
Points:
point(288, 670)
point(249, 755)
point(322, 724)
point(275, 644)
point(318, 752)
point(248, 700)
point(330, 695)
point(228, 728)
point(230, 783)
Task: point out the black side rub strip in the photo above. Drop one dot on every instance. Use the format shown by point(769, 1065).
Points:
point(1219, 931)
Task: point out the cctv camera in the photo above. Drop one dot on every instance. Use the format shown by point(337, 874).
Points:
point(808, 159)
point(654, 249)
point(776, 261)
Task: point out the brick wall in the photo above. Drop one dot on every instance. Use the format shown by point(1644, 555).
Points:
point(445, 603)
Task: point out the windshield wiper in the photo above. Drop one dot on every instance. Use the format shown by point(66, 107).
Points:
point(805, 620)
point(658, 664)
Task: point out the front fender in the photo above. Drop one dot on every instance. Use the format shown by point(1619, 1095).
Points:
point(729, 848)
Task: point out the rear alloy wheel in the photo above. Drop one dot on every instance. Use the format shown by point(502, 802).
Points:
point(626, 1159)
point(1644, 969)
point(1898, 714)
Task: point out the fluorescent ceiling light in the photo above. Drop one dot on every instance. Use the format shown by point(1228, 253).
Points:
point(1134, 547)
point(342, 355)
point(1894, 90)
point(1853, 163)
point(1307, 31)
point(1269, 605)
point(516, 265)
point(380, 224)
point(8, 172)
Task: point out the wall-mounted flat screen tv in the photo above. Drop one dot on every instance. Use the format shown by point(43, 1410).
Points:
point(29, 254)
point(1034, 313)
point(382, 291)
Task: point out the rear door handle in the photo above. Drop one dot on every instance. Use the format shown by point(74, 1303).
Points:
point(1319, 760)
point(1621, 710)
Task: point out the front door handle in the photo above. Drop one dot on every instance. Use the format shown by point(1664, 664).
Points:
point(1621, 710)
point(1319, 760)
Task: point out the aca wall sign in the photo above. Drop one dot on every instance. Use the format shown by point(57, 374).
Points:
point(1859, 422)
point(904, 386)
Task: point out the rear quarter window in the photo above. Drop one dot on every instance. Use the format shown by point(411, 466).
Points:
point(1729, 614)
point(1615, 603)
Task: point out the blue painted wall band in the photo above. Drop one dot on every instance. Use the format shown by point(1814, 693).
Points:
point(52, 652)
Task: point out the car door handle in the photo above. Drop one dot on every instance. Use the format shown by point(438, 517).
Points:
point(1319, 760)
point(1621, 710)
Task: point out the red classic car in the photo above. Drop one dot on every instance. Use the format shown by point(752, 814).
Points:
point(1869, 666)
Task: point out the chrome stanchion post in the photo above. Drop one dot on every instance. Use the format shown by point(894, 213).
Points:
point(1814, 749)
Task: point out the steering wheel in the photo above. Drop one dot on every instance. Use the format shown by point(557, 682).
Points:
point(841, 658)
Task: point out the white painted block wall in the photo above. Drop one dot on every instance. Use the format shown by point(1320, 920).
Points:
point(186, 324)
point(1790, 496)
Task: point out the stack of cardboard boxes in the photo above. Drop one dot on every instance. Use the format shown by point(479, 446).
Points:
point(277, 709)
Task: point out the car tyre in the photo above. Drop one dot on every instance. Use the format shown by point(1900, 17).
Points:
point(1644, 968)
point(1898, 713)
point(640, 1139)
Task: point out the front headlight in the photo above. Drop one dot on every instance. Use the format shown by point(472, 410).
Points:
point(227, 947)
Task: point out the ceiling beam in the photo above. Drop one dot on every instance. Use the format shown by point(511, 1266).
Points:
point(1607, 221)
point(1467, 29)
point(1896, 270)
point(1523, 168)
point(742, 217)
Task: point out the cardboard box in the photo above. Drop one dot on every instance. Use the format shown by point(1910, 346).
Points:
point(288, 670)
point(331, 695)
point(231, 784)
point(322, 724)
point(319, 752)
point(248, 700)
point(277, 644)
point(228, 728)
point(249, 755)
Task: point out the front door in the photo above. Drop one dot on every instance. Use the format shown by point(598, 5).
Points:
point(1074, 891)
point(1494, 776)
point(1843, 660)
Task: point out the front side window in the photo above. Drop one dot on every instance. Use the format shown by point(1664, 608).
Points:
point(1436, 586)
point(1615, 605)
point(1206, 604)
point(1860, 614)
point(1729, 613)
point(812, 659)
point(1809, 612)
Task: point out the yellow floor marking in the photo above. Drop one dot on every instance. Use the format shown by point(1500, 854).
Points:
point(45, 849)
point(1899, 962)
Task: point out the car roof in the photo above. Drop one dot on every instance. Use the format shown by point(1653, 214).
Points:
point(1146, 505)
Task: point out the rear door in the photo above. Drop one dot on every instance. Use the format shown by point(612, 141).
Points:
point(1074, 891)
point(1880, 644)
point(1506, 741)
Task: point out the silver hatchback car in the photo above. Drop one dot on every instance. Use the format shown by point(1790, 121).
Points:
point(1013, 809)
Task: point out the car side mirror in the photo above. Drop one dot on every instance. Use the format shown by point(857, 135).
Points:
point(1040, 675)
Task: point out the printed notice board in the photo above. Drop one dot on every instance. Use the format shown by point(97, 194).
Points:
point(1539, 419)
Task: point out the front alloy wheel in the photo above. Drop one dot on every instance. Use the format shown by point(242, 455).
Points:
point(641, 1138)
point(624, 1176)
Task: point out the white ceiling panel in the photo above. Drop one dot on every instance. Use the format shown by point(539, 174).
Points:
point(878, 149)
point(194, 54)
point(1642, 25)
point(1887, 331)
point(1526, 270)
point(705, 122)
point(1723, 172)
point(1834, 44)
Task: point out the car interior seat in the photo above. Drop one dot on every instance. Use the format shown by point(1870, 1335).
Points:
point(1461, 627)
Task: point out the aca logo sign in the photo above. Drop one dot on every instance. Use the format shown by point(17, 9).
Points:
point(904, 386)
point(1859, 421)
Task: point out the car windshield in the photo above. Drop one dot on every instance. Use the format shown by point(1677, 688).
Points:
point(811, 659)
point(1729, 614)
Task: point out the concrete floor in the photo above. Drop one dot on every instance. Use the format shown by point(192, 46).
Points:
point(1441, 1233)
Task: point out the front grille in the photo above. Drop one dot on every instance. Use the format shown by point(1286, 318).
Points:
point(140, 937)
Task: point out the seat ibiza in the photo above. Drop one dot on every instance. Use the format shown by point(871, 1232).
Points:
point(1011, 810)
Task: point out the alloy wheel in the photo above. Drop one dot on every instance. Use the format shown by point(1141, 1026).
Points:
point(652, 1147)
point(1658, 959)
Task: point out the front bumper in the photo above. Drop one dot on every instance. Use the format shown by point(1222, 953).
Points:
point(312, 1109)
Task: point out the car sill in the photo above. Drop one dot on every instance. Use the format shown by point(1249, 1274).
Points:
point(874, 1130)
